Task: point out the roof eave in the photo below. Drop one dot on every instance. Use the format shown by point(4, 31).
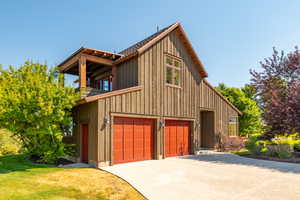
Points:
point(141, 50)
point(82, 50)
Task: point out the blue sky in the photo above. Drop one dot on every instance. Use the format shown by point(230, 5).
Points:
point(229, 36)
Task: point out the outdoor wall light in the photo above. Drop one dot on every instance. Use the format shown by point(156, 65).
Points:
point(161, 123)
point(106, 121)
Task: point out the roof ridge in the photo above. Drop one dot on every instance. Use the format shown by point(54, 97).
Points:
point(133, 48)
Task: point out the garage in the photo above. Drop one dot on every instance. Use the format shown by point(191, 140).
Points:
point(177, 138)
point(132, 139)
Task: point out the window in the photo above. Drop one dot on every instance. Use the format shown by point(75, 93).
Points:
point(173, 67)
point(104, 84)
point(233, 126)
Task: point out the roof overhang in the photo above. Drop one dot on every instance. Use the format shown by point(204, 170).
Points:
point(93, 55)
point(110, 59)
point(177, 27)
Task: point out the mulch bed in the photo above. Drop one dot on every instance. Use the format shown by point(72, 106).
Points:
point(293, 159)
point(61, 161)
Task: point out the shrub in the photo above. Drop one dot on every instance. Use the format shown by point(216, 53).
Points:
point(282, 147)
point(8, 144)
point(297, 145)
point(36, 107)
point(284, 150)
point(254, 145)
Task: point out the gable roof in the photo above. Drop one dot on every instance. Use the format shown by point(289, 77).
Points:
point(135, 47)
point(145, 44)
point(142, 46)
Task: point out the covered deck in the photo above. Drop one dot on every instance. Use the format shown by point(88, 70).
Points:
point(95, 69)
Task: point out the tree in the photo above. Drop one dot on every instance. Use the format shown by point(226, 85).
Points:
point(35, 106)
point(249, 122)
point(278, 92)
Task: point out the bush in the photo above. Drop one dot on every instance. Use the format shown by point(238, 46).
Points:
point(254, 145)
point(297, 145)
point(36, 107)
point(282, 148)
point(8, 144)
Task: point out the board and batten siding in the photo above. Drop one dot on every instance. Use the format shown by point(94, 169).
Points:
point(127, 74)
point(128, 104)
point(157, 100)
point(187, 101)
point(87, 114)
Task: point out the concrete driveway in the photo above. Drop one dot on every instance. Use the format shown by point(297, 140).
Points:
point(212, 176)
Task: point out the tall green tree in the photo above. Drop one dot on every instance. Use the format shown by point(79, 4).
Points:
point(36, 107)
point(249, 122)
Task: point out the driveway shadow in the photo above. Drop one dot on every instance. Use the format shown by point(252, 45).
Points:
point(227, 158)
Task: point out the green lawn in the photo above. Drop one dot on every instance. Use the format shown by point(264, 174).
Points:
point(23, 180)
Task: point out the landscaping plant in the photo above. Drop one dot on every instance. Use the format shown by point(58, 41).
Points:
point(35, 107)
point(254, 145)
point(278, 93)
point(8, 143)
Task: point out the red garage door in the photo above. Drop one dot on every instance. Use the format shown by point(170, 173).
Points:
point(177, 138)
point(132, 140)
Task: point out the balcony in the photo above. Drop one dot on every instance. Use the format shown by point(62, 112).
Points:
point(95, 70)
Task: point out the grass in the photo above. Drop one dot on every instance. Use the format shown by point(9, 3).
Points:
point(22, 180)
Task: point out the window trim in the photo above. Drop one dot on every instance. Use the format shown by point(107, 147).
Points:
point(174, 68)
point(234, 122)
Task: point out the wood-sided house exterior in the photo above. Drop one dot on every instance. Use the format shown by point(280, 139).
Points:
point(150, 101)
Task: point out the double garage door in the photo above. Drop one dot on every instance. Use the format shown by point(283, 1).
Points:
point(133, 139)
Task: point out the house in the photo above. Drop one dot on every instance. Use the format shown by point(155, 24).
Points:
point(149, 101)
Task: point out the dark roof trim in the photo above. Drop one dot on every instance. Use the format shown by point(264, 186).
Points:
point(96, 51)
point(144, 45)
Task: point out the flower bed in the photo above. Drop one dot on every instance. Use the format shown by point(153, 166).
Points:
point(284, 149)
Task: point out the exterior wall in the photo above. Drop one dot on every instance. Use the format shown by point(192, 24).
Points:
point(156, 100)
point(128, 104)
point(86, 114)
point(127, 74)
point(185, 102)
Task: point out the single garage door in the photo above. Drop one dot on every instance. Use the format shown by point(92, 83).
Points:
point(177, 138)
point(132, 140)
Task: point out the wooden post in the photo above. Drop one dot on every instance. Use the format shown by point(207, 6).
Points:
point(114, 77)
point(82, 72)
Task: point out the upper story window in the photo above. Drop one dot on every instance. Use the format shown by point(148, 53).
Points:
point(173, 67)
point(233, 126)
point(104, 84)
